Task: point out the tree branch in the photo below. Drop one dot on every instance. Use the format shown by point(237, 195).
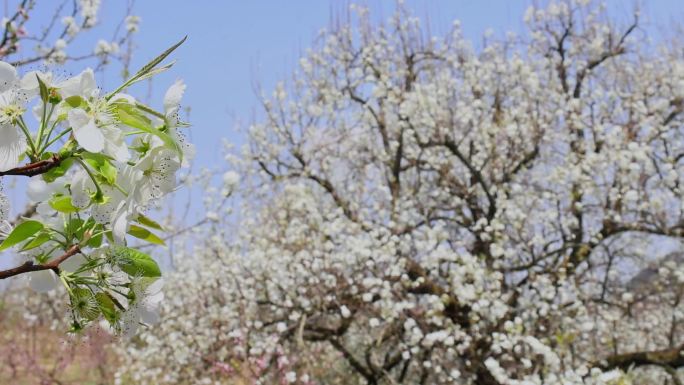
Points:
point(673, 358)
point(53, 265)
point(35, 168)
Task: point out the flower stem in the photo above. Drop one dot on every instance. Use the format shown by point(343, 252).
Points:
point(56, 138)
point(90, 174)
point(22, 125)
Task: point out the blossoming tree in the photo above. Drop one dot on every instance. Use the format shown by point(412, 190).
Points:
point(23, 41)
point(419, 211)
point(97, 161)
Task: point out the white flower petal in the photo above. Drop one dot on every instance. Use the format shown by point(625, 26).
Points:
point(43, 281)
point(38, 190)
point(87, 134)
point(115, 145)
point(82, 84)
point(12, 145)
point(173, 97)
point(8, 76)
point(120, 223)
point(29, 82)
point(81, 187)
point(4, 210)
point(73, 263)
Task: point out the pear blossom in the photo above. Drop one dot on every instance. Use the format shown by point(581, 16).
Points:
point(8, 76)
point(145, 306)
point(99, 164)
point(172, 99)
point(86, 132)
point(158, 168)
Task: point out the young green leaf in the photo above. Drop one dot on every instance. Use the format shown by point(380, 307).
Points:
point(145, 235)
point(102, 165)
point(63, 204)
point(136, 263)
point(146, 221)
point(58, 171)
point(145, 70)
point(107, 307)
point(39, 240)
point(130, 116)
point(21, 233)
point(96, 241)
point(155, 72)
point(75, 101)
point(43, 90)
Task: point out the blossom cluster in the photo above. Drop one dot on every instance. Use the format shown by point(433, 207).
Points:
point(417, 210)
point(98, 162)
point(54, 43)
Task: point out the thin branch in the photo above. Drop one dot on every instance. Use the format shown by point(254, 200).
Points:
point(53, 265)
point(673, 358)
point(35, 168)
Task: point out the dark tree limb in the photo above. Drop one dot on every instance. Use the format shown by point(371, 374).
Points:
point(672, 357)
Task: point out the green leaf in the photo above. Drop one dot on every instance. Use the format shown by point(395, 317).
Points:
point(58, 171)
point(108, 172)
point(96, 241)
point(102, 166)
point(131, 116)
point(43, 90)
point(136, 263)
point(63, 204)
point(145, 235)
point(39, 240)
point(147, 69)
point(153, 63)
point(75, 226)
point(107, 307)
point(74, 101)
point(21, 233)
point(146, 221)
point(155, 71)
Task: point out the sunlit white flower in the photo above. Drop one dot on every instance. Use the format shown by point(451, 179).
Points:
point(145, 307)
point(8, 76)
point(86, 132)
point(13, 144)
point(158, 169)
point(172, 99)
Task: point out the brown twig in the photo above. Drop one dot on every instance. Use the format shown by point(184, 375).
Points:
point(53, 265)
point(35, 168)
